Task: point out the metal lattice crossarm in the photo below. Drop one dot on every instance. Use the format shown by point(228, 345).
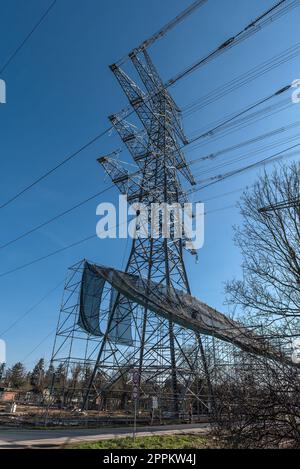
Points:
point(291, 203)
point(157, 112)
point(127, 183)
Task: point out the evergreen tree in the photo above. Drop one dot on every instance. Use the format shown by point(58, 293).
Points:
point(49, 376)
point(2, 368)
point(37, 376)
point(16, 376)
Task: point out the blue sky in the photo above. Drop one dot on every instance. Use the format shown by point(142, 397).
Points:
point(59, 94)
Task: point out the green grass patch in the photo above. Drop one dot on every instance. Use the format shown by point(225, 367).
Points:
point(149, 442)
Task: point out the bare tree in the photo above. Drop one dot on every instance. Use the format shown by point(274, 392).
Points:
point(259, 408)
point(270, 246)
point(259, 405)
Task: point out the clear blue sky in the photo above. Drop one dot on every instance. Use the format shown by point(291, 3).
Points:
point(59, 94)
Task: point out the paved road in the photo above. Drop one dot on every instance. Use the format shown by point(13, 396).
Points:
point(15, 438)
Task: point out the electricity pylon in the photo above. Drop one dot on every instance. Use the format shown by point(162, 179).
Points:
point(165, 355)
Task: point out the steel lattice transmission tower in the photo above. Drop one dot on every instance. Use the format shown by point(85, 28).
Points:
point(173, 363)
point(169, 358)
point(164, 351)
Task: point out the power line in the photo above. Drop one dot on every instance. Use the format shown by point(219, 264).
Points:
point(51, 220)
point(264, 161)
point(290, 203)
point(103, 191)
point(235, 122)
point(52, 170)
point(241, 113)
point(252, 28)
point(221, 125)
point(224, 194)
point(39, 259)
point(54, 253)
point(39, 302)
point(60, 215)
point(250, 154)
point(146, 43)
point(65, 212)
point(221, 209)
point(106, 131)
point(244, 122)
point(272, 133)
point(242, 80)
point(171, 82)
point(256, 25)
point(34, 307)
point(166, 28)
point(25, 40)
point(39, 344)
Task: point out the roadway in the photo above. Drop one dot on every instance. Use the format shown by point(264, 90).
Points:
point(11, 438)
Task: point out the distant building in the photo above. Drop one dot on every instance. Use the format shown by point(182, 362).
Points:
point(8, 395)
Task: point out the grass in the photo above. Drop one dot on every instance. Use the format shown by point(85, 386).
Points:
point(149, 442)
